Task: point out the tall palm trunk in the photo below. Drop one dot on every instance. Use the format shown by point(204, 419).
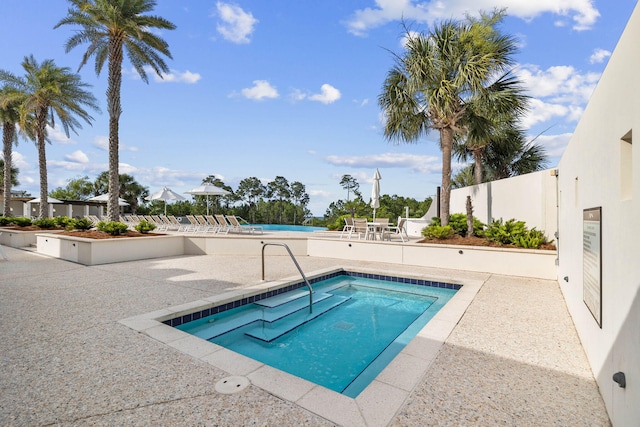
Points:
point(115, 109)
point(41, 123)
point(477, 166)
point(8, 135)
point(446, 139)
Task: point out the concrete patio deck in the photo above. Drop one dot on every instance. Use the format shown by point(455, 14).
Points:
point(513, 359)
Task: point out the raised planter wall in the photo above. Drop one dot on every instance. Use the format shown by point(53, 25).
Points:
point(106, 251)
point(20, 239)
point(513, 262)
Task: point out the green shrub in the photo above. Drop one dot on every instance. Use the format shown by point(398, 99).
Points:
point(45, 223)
point(505, 232)
point(80, 224)
point(438, 232)
point(6, 220)
point(532, 239)
point(113, 228)
point(22, 221)
point(145, 226)
point(339, 223)
point(63, 221)
point(458, 222)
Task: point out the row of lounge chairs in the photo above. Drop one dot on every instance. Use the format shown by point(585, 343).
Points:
point(223, 224)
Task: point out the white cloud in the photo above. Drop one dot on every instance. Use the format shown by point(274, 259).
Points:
point(58, 136)
point(127, 168)
point(18, 161)
point(582, 13)
point(560, 83)
point(77, 157)
point(53, 166)
point(418, 163)
point(261, 89)
point(297, 95)
point(554, 144)
point(175, 76)
point(540, 112)
point(328, 94)
point(102, 143)
point(237, 25)
point(599, 55)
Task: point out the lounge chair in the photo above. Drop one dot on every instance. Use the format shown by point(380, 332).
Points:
point(222, 220)
point(205, 225)
point(177, 225)
point(194, 226)
point(219, 228)
point(242, 225)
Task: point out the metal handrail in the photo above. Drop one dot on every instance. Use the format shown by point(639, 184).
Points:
point(297, 265)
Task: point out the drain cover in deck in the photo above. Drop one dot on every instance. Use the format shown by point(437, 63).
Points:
point(232, 385)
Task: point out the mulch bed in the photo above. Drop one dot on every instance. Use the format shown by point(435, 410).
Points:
point(88, 234)
point(479, 241)
point(95, 234)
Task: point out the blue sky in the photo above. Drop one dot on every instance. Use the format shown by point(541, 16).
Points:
point(289, 88)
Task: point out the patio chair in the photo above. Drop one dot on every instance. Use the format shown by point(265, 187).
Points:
point(378, 228)
point(348, 227)
point(398, 230)
point(360, 227)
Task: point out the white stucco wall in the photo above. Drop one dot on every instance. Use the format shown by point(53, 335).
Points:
point(591, 174)
point(531, 198)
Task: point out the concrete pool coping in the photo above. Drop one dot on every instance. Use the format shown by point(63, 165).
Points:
point(377, 404)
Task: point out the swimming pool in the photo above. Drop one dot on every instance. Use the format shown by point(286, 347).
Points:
point(360, 322)
point(284, 227)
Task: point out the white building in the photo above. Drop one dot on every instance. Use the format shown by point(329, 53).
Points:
point(599, 260)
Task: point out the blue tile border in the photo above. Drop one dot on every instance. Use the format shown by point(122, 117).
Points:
point(177, 321)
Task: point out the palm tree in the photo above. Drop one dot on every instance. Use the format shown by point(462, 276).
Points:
point(488, 118)
point(512, 154)
point(10, 100)
point(112, 27)
point(439, 76)
point(50, 92)
point(129, 189)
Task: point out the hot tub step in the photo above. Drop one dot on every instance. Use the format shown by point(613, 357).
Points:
point(268, 332)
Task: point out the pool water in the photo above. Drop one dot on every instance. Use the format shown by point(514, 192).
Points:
point(358, 325)
point(284, 227)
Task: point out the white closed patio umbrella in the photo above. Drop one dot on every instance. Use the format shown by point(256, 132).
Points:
point(165, 194)
point(208, 190)
point(375, 193)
